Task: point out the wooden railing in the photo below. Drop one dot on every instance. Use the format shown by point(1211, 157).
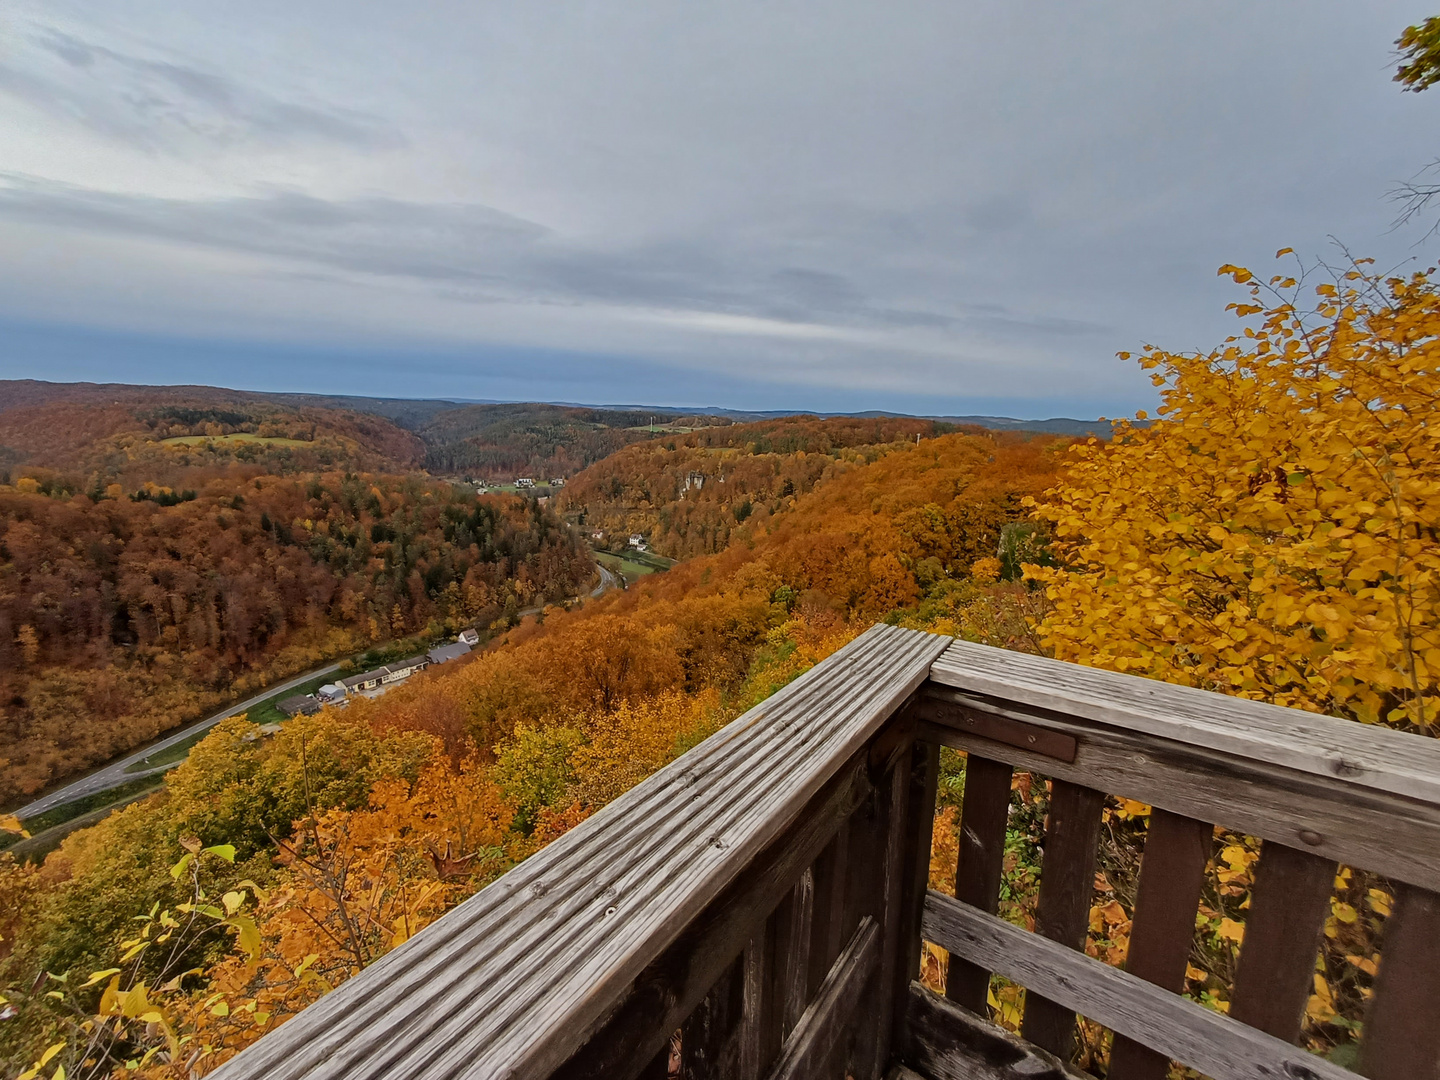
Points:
point(757, 908)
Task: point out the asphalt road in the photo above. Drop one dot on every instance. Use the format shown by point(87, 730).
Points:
point(114, 774)
point(608, 580)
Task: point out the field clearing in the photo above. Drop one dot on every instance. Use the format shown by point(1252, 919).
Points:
point(626, 568)
point(238, 437)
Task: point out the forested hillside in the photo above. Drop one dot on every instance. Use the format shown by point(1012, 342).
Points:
point(439, 785)
point(688, 493)
point(91, 436)
point(504, 441)
point(125, 614)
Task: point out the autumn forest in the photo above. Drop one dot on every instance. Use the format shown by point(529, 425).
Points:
point(1272, 533)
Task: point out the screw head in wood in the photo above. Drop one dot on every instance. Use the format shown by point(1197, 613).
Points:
point(1311, 837)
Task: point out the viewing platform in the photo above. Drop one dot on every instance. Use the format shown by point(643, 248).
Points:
point(757, 908)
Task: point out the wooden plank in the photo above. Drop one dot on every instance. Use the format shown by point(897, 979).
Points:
point(984, 815)
point(709, 1048)
point(920, 814)
point(866, 897)
point(830, 1014)
point(1211, 1042)
point(1172, 875)
point(514, 980)
point(1360, 827)
point(1288, 907)
point(946, 1042)
point(900, 846)
point(828, 926)
point(798, 937)
point(1362, 755)
point(1067, 885)
point(674, 985)
point(987, 724)
point(1402, 1039)
point(756, 963)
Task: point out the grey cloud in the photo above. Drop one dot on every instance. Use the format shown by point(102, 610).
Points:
point(485, 255)
point(163, 105)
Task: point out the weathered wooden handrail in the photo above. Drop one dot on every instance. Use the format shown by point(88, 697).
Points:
point(756, 909)
point(1318, 790)
point(520, 977)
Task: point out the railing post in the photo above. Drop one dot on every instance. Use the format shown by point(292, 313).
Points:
point(1067, 884)
point(1402, 1039)
point(1172, 876)
point(915, 878)
point(984, 815)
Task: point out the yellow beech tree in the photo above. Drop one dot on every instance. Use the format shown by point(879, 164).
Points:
point(1274, 534)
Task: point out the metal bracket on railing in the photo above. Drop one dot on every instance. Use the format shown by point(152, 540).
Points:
point(975, 719)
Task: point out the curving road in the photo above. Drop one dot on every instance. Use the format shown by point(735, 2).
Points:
point(114, 774)
point(608, 580)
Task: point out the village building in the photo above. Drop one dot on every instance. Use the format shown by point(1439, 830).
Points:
point(403, 669)
point(384, 676)
point(331, 694)
point(443, 654)
point(306, 704)
point(470, 637)
point(525, 482)
point(367, 680)
point(557, 481)
point(637, 541)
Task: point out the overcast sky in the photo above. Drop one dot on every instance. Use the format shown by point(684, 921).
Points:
point(947, 207)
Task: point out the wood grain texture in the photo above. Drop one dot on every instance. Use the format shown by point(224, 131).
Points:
point(828, 924)
point(865, 896)
point(826, 1019)
point(1362, 755)
point(798, 939)
point(1209, 1041)
point(709, 1045)
point(984, 815)
point(672, 986)
point(1067, 885)
point(920, 812)
point(756, 963)
point(946, 1042)
point(1402, 1038)
point(1288, 907)
point(1172, 875)
point(1359, 826)
point(514, 980)
point(900, 845)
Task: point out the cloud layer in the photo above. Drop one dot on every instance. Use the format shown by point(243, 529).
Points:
point(920, 201)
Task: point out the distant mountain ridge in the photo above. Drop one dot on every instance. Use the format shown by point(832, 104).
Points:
point(416, 414)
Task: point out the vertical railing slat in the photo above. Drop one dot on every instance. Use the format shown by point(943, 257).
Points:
point(1172, 875)
point(1067, 885)
point(920, 814)
point(708, 1038)
point(831, 872)
point(796, 941)
point(900, 843)
point(1401, 1040)
point(983, 818)
point(757, 962)
point(865, 895)
point(1288, 906)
